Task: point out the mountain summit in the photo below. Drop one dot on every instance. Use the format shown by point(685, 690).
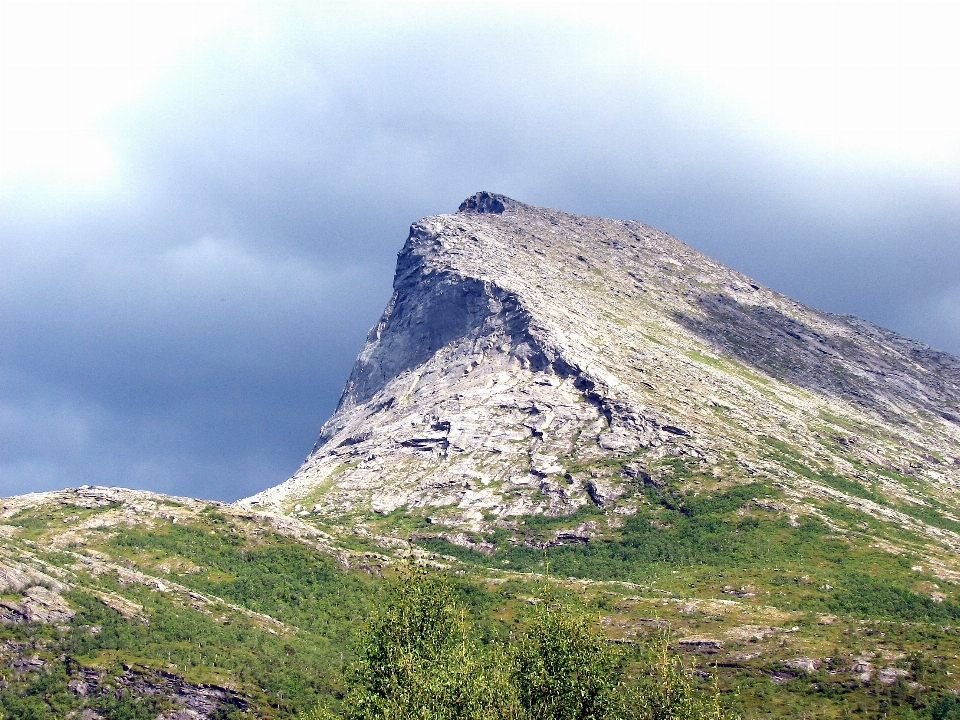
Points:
point(533, 361)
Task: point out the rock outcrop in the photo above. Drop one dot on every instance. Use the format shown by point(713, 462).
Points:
point(524, 348)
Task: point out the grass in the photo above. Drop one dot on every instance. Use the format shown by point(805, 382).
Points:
point(704, 562)
point(34, 522)
point(280, 673)
point(790, 458)
point(271, 574)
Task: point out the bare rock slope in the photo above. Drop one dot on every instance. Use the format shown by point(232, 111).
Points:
point(532, 361)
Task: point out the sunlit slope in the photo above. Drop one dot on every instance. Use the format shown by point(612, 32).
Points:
point(136, 605)
point(537, 362)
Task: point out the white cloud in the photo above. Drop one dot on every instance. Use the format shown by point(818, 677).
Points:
point(65, 67)
point(865, 81)
point(861, 81)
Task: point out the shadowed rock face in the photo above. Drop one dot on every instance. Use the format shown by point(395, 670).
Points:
point(484, 202)
point(525, 348)
point(857, 361)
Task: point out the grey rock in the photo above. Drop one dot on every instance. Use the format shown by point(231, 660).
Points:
point(890, 675)
point(39, 605)
point(804, 664)
point(863, 669)
point(13, 579)
point(16, 577)
point(78, 687)
point(701, 643)
point(523, 342)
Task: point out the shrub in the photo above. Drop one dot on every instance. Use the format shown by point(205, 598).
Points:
point(665, 689)
point(946, 708)
point(418, 659)
point(564, 669)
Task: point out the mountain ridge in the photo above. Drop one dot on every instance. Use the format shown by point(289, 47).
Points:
point(608, 339)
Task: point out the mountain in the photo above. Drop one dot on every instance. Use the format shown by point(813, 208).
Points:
point(548, 399)
point(533, 361)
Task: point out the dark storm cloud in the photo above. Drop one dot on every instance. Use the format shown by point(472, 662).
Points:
point(192, 332)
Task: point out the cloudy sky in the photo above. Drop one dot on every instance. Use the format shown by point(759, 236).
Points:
point(201, 203)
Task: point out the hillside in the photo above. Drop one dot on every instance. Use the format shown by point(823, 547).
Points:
point(548, 398)
point(534, 362)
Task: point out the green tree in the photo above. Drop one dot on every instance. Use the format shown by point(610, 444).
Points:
point(946, 708)
point(419, 661)
point(665, 688)
point(320, 712)
point(565, 669)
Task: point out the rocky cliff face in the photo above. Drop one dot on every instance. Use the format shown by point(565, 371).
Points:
point(533, 361)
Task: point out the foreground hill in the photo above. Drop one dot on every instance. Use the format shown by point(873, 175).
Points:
point(128, 604)
point(678, 445)
point(125, 604)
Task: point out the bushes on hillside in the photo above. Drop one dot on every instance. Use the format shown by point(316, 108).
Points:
point(562, 669)
point(419, 660)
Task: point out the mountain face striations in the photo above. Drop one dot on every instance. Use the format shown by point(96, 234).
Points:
point(533, 361)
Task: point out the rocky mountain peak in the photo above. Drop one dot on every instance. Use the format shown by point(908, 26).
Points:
point(485, 202)
point(534, 361)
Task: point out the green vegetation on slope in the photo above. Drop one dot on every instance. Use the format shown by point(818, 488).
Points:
point(419, 658)
point(788, 615)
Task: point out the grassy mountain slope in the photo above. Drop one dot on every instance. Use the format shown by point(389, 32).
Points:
point(139, 605)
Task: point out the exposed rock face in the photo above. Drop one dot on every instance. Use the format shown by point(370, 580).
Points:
point(523, 346)
point(39, 600)
point(38, 605)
